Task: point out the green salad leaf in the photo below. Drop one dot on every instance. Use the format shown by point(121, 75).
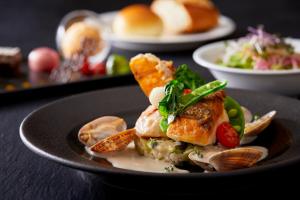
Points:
point(240, 61)
point(190, 79)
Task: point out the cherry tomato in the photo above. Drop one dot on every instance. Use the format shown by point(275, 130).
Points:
point(227, 135)
point(85, 68)
point(99, 69)
point(187, 91)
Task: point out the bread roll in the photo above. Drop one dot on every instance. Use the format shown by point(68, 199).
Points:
point(137, 20)
point(81, 37)
point(186, 16)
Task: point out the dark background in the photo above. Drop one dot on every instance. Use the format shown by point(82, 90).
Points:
point(32, 23)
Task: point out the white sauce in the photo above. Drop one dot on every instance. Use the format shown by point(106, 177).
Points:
point(130, 159)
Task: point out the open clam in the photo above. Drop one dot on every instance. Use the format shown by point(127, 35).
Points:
point(216, 158)
point(100, 128)
point(116, 142)
point(238, 158)
point(254, 128)
point(247, 114)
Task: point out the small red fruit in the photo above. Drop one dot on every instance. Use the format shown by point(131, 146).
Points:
point(85, 68)
point(187, 91)
point(99, 69)
point(227, 135)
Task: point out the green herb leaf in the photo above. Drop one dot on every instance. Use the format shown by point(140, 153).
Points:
point(189, 78)
point(168, 104)
point(164, 124)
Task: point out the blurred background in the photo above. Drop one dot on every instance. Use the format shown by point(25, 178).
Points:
point(33, 23)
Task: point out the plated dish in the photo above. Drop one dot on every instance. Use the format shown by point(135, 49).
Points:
point(165, 17)
point(260, 50)
point(189, 121)
point(57, 139)
point(260, 61)
point(156, 31)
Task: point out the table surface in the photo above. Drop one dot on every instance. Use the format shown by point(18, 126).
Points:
point(25, 175)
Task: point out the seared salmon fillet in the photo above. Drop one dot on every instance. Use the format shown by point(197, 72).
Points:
point(198, 123)
point(150, 72)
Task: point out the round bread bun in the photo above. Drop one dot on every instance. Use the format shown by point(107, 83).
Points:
point(137, 20)
point(186, 16)
point(78, 36)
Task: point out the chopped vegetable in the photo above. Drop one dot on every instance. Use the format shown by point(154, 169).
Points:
point(187, 91)
point(260, 50)
point(169, 169)
point(117, 65)
point(235, 114)
point(227, 135)
point(190, 79)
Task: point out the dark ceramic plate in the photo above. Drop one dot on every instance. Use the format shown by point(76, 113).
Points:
point(39, 85)
point(51, 132)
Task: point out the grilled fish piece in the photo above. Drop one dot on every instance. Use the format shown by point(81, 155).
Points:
point(198, 124)
point(150, 72)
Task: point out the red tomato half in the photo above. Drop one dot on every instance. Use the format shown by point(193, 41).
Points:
point(187, 91)
point(227, 135)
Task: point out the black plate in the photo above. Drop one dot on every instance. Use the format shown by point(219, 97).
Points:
point(40, 85)
point(51, 132)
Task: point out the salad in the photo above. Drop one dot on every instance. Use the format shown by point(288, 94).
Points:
point(260, 50)
point(188, 121)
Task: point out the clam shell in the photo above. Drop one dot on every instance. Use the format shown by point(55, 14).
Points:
point(247, 114)
point(237, 158)
point(217, 158)
point(202, 156)
point(247, 139)
point(256, 127)
point(100, 128)
point(115, 142)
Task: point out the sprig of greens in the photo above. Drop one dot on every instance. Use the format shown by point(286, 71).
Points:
point(168, 105)
point(190, 79)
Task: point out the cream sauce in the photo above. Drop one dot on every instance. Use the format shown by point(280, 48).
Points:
point(130, 159)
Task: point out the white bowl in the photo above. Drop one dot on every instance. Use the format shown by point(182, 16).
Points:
point(285, 82)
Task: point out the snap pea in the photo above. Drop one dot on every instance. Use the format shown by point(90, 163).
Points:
point(199, 93)
point(235, 114)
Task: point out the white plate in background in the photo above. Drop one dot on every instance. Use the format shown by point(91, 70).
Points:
point(165, 43)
